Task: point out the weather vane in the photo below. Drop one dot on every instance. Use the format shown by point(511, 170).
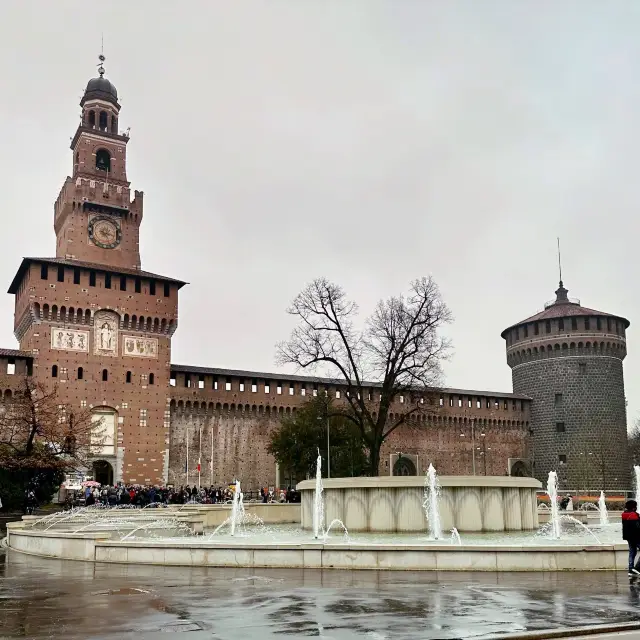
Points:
point(101, 56)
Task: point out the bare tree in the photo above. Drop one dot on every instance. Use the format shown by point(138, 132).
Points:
point(38, 430)
point(634, 442)
point(397, 354)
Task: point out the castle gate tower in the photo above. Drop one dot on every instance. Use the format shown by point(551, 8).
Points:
point(568, 359)
point(99, 327)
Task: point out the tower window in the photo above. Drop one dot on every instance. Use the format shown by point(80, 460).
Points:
point(558, 400)
point(92, 119)
point(76, 276)
point(60, 273)
point(167, 290)
point(54, 371)
point(105, 375)
point(598, 324)
point(114, 124)
point(103, 160)
point(80, 373)
point(560, 427)
point(44, 272)
point(11, 366)
point(561, 324)
point(107, 281)
point(608, 324)
point(123, 283)
point(152, 378)
point(562, 458)
point(152, 288)
point(587, 324)
point(92, 278)
point(103, 120)
point(582, 367)
point(200, 382)
point(138, 285)
point(574, 324)
point(128, 376)
point(241, 385)
point(548, 326)
point(227, 385)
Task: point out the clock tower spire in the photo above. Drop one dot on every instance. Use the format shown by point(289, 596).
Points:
point(95, 218)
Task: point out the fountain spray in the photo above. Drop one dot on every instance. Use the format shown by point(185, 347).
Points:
point(318, 506)
point(552, 492)
point(431, 503)
point(235, 507)
point(602, 508)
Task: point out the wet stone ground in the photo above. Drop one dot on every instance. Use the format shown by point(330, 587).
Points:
point(42, 598)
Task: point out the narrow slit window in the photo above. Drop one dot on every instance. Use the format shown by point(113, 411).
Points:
point(105, 375)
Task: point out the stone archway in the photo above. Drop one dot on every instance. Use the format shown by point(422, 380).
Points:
point(404, 467)
point(102, 472)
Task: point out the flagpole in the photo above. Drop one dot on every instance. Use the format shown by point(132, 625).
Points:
point(187, 470)
point(212, 456)
point(199, 454)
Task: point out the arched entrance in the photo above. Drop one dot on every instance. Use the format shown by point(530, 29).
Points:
point(102, 472)
point(520, 470)
point(404, 467)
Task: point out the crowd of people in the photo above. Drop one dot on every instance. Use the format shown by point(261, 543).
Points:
point(142, 496)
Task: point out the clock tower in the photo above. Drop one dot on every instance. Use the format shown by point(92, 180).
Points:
point(97, 327)
point(95, 219)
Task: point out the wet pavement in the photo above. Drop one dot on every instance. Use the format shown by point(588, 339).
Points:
point(42, 598)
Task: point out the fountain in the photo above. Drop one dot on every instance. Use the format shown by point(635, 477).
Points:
point(431, 503)
point(497, 516)
point(552, 492)
point(318, 505)
point(602, 508)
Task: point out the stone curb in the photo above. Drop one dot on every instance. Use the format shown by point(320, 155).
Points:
point(572, 632)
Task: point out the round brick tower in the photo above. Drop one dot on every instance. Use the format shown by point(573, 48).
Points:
point(568, 359)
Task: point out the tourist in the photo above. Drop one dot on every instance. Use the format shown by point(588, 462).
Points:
point(631, 533)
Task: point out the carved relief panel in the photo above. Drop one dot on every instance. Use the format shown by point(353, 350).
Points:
point(105, 333)
point(140, 347)
point(69, 339)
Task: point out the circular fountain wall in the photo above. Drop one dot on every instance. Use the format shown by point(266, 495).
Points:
point(394, 504)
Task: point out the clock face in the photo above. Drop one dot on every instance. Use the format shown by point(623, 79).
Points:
point(104, 232)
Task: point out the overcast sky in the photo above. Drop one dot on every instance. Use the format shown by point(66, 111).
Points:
point(369, 142)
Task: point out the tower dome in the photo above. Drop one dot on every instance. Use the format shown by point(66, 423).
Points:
point(568, 359)
point(100, 88)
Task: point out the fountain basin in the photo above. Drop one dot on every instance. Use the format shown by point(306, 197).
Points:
point(393, 504)
point(95, 547)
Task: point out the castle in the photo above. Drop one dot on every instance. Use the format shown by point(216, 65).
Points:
point(92, 322)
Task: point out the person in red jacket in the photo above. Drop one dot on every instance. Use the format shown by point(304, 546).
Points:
point(631, 533)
